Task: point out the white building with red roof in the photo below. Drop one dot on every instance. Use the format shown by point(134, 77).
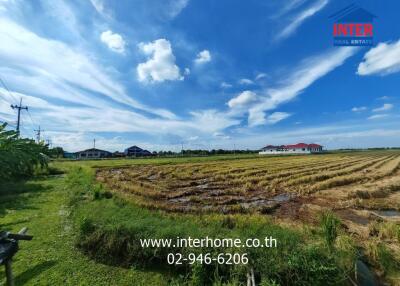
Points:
point(299, 148)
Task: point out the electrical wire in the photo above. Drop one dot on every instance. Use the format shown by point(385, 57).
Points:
point(33, 123)
point(16, 101)
point(6, 88)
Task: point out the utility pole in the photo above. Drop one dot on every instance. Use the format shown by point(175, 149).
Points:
point(38, 131)
point(94, 143)
point(19, 107)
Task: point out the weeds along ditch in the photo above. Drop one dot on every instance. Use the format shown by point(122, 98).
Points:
point(109, 228)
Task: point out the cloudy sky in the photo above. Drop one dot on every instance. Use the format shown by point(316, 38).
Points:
point(202, 73)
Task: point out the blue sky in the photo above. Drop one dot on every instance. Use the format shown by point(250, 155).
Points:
point(205, 74)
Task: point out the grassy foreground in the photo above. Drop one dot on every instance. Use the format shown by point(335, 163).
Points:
point(51, 257)
point(109, 229)
point(85, 235)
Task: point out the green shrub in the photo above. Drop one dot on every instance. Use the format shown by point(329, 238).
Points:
point(19, 158)
point(330, 226)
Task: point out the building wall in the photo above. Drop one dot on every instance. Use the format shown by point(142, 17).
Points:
point(91, 154)
point(290, 151)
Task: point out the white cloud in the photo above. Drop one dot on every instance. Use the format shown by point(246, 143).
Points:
point(160, 65)
point(28, 61)
point(225, 85)
point(221, 135)
point(114, 41)
point(384, 97)
point(243, 99)
point(77, 94)
point(258, 117)
point(303, 76)
point(290, 5)
point(383, 59)
point(98, 5)
point(260, 76)
point(187, 71)
point(378, 116)
point(385, 107)
point(211, 120)
point(359, 109)
point(276, 117)
point(63, 13)
point(203, 57)
point(298, 19)
point(3, 5)
point(245, 81)
point(81, 120)
point(176, 7)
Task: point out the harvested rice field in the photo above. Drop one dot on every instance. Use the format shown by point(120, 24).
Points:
point(357, 186)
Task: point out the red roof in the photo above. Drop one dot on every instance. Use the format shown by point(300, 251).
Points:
point(298, 145)
point(314, 145)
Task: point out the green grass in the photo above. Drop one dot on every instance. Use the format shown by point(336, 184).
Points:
point(51, 257)
point(109, 230)
point(65, 165)
point(84, 235)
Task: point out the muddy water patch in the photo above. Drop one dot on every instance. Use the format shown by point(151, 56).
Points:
point(282, 198)
point(388, 213)
point(152, 177)
point(180, 200)
point(350, 215)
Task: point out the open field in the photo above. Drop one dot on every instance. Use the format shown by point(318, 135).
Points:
point(264, 184)
point(87, 222)
point(360, 188)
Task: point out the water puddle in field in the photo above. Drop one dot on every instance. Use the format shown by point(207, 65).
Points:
point(268, 205)
point(350, 215)
point(152, 177)
point(364, 276)
point(388, 213)
point(179, 200)
point(282, 198)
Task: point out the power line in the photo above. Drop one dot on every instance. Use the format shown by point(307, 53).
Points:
point(16, 106)
point(28, 132)
point(33, 123)
point(9, 92)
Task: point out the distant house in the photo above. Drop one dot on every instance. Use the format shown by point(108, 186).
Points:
point(118, 154)
point(69, 155)
point(299, 148)
point(92, 153)
point(135, 151)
